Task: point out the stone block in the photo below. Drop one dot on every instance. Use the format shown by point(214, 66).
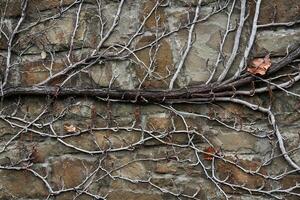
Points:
point(267, 41)
point(68, 172)
point(236, 176)
point(154, 74)
point(279, 11)
point(117, 74)
point(131, 195)
point(203, 54)
point(21, 184)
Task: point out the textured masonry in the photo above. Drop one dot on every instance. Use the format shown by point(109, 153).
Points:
point(86, 147)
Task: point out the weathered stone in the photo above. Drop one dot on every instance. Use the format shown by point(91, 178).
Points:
point(240, 141)
point(45, 150)
point(190, 2)
point(130, 195)
point(151, 109)
point(122, 110)
point(127, 24)
point(125, 167)
point(4, 129)
point(166, 168)
point(83, 141)
point(205, 188)
point(250, 197)
point(171, 167)
point(265, 41)
point(279, 11)
point(134, 170)
point(160, 122)
point(162, 182)
point(78, 124)
point(157, 19)
point(21, 184)
point(109, 139)
point(203, 54)
point(14, 6)
point(56, 35)
point(3, 42)
point(69, 172)
point(154, 75)
point(290, 181)
point(114, 74)
point(236, 176)
point(72, 195)
point(34, 70)
point(82, 109)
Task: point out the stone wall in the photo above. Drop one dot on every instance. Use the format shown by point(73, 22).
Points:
point(87, 147)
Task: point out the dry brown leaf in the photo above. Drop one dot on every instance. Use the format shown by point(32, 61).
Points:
point(257, 62)
point(70, 128)
point(260, 66)
point(208, 153)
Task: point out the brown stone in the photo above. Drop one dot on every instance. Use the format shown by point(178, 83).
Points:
point(55, 35)
point(166, 168)
point(290, 181)
point(14, 6)
point(163, 63)
point(84, 141)
point(232, 141)
point(119, 184)
point(131, 195)
point(192, 3)
point(3, 43)
point(4, 128)
point(167, 183)
point(282, 10)
point(152, 21)
point(68, 167)
point(72, 195)
point(125, 166)
point(69, 172)
point(237, 176)
point(34, 72)
point(45, 150)
point(135, 170)
point(106, 139)
point(21, 184)
point(159, 122)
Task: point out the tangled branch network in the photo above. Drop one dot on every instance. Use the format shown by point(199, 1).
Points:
point(110, 84)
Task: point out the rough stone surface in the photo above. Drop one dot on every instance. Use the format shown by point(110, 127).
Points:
point(69, 172)
point(203, 55)
point(20, 185)
point(279, 11)
point(131, 145)
point(266, 42)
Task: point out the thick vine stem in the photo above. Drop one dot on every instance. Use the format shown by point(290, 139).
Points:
point(156, 96)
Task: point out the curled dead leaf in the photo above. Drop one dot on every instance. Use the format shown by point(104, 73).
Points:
point(70, 128)
point(260, 66)
point(208, 153)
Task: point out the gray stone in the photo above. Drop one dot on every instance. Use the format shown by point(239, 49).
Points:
point(203, 54)
point(114, 74)
point(276, 41)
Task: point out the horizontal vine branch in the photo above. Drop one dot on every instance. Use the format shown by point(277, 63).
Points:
point(204, 92)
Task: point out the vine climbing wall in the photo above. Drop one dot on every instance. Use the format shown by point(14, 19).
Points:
point(149, 99)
